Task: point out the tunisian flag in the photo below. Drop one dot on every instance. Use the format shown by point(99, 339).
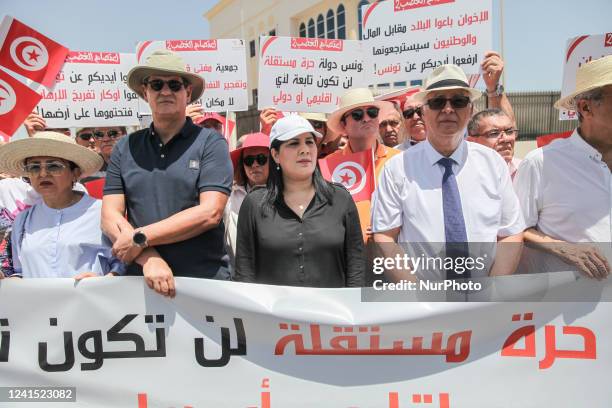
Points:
point(354, 171)
point(16, 102)
point(27, 52)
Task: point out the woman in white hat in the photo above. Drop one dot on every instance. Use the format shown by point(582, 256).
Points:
point(60, 235)
point(300, 230)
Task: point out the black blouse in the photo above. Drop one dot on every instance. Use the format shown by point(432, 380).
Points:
point(323, 249)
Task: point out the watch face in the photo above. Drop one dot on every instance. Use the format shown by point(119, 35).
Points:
point(140, 238)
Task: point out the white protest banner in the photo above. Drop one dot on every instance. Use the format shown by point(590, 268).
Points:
point(91, 90)
point(229, 344)
point(222, 64)
point(581, 50)
point(405, 40)
point(307, 74)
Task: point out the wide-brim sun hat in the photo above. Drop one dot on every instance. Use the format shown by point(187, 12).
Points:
point(290, 126)
point(250, 140)
point(446, 77)
point(595, 74)
point(164, 62)
point(352, 99)
point(49, 144)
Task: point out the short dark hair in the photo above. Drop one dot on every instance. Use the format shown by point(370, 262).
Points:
point(474, 123)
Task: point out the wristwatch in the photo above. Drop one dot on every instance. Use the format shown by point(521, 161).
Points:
point(498, 91)
point(139, 239)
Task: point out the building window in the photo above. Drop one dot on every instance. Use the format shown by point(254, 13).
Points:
point(311, 29)
point(341, 23)
point(273, 33)
point(331, 32)
point(302, 30)
point(252, 46)
point(320, 26)
point(359, 16)
point(255, 100)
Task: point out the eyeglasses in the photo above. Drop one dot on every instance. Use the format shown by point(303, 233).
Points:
point(261, 159)
point(85, 136)
point(392, 123)
point(496, 133)
point(457, 102)
point(158, 84)
point(113, 134)
point(409, 113)
point(358, 114)
point(53, 168)
point(317, 124)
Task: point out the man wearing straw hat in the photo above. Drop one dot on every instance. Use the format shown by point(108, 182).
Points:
point(357, 118)
point(565, 187)
point(445, 189)
point(173, 178)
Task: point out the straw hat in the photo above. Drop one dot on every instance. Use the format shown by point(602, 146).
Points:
point(164, 62)
point(352, 99)
point(321, 117)
point(51, 144)
point(446, 77)
point(251, 140)
point(593, 75)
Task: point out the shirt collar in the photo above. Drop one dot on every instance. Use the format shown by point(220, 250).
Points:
point(381, 150)
point(583, 146)
point(459, 156)
point(85, 201)
point(185, 131)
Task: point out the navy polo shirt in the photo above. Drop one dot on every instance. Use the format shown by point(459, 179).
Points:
point(160, 180)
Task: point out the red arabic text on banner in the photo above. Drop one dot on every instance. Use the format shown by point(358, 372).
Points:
point(354, 171)
point(16, 103)
point(27, 52)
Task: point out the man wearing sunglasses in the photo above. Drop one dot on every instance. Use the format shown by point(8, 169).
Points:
point(494, 128)
point(357, 118)
point(173, 179)
point(445, 189)
point(105, 139)
point(84, 137)
point(413, 121)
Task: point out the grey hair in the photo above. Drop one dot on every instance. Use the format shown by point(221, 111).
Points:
point(592, 95)
point(474, 124)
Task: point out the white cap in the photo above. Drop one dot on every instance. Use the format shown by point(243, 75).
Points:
point(288, 127)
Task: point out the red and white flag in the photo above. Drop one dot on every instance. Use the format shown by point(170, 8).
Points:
point(16, 102)
point(27, 52)
point(354, 171)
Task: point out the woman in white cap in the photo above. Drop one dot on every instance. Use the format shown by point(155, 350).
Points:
point(60, 235)
point(300, 230)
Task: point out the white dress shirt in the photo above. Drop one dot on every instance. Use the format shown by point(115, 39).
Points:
point(409, 195)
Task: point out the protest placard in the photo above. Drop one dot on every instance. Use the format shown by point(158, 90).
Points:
point(91, 90)
point(404, 40)
point(222, 64)
point(581, 50)
point(308, 74)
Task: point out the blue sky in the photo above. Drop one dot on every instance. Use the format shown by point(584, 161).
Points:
point(535, 31)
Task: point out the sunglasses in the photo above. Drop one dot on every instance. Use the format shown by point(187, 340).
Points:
point(113, 134)
point(261, 159)
point(317, 124)
point(392, 123)
point(457, 102)
point(358, 114)
point(53, 168)
point(409, 113)
point(158, 84)
point(86, 136)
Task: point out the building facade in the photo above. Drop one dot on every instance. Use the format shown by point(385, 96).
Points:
point(307, 18)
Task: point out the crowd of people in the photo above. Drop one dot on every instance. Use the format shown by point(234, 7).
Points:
point(171, 199)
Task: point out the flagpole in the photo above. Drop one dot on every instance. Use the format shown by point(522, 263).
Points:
point(501, 37)
point(374, 163)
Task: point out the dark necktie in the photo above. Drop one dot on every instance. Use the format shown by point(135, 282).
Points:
point(454, 224)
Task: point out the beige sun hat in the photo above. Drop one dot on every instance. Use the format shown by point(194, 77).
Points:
point(352, 99)
point(593, 75)
point(446, 77)
point(50, 144)
point(164, 62)
point(321, 117)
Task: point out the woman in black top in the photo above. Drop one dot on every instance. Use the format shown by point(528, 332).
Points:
point(300, 230)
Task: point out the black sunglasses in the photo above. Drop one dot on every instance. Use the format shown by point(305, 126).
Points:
point(409, 113)
point(158, 84)
point(85, 136)
point(261, 159)
point(457, 102)
point(113, 134)
point(358, 114)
